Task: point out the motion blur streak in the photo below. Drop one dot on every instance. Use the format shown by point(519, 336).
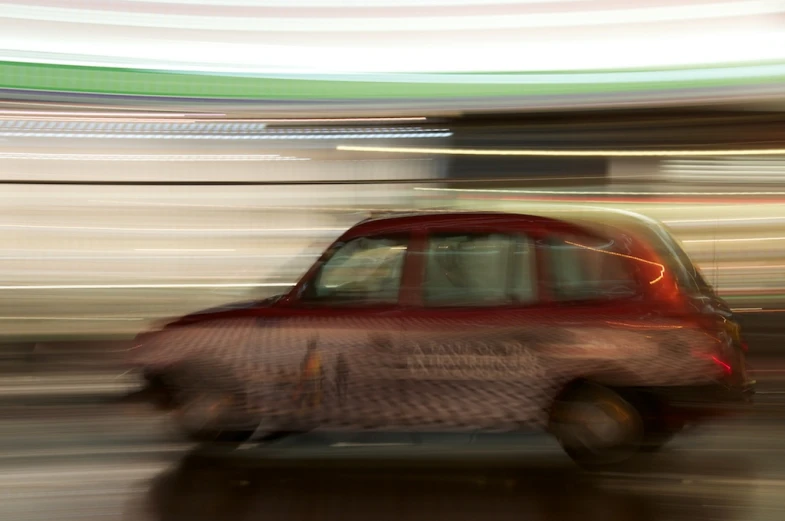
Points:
point(148, 252)
point(567, 153)
point(656, 264)
point(584, 192)
point(155, 157)
point(99, 261)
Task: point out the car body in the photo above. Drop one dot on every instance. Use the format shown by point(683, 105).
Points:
point(466, 321)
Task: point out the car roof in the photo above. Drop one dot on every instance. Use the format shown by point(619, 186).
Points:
point(594, 215)
point(410, 220)
point(594, 221)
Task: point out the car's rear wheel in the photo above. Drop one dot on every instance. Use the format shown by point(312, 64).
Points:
point(659, 424)
point(596, 426)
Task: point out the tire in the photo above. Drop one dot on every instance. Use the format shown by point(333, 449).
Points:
point(659, 430)
point(216, 415)
point(202, 418)
point(159, 392)
point(596, 426)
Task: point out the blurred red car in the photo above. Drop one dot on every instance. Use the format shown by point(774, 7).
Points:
point(602, 333)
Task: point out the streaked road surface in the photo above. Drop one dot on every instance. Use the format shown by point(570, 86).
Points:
point(102, 462)
point(70, 449)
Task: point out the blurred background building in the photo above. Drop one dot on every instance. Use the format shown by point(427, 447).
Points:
point(192, 153)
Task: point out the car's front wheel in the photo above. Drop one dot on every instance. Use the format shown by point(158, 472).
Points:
point(203, 418)
point(158, 390)
point(596, 426)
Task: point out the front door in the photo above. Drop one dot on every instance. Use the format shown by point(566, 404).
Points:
point(348, 317)
point(471, 346)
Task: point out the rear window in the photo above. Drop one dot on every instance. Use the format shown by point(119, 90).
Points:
point(479, 270)
point(581, 269)
point(687, 273)
point(657, 236)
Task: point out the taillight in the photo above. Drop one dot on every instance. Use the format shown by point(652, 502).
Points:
point(721, 347)
point(730, 355)
point(726, 368)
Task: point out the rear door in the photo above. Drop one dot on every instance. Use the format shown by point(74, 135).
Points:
point(470, 343)
point(600, 300)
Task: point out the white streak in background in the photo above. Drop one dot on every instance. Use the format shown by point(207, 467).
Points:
point(146, 286)
point(744, 268)
point(207, 119)
point(714, 163)
point(544, 78)
point(735, 178)
point(128, 114)
point(16, 482)
point(97, 108)
point(149, 157)
point(742, 239)
point(238, 258)
point(323, 58)
point(345, 120)
point(562, 19)
point(185, 250)
point(45, 255)
point(57, 104)
point(232, 137)
point(585, 192)
point(200, 127)
point(79, 319)
point(773, 219)
point(20, 226)
point(75, 388)
point(711, 224)
point(212, 117)
point(563, 153)
point(267, 206)
point(770, 170)
point(358, 3)
point(35, 489)
point(600, 46)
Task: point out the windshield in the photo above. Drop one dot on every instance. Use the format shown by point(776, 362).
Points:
point(364, 269)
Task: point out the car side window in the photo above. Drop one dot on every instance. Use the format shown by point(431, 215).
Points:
point(479, 270)
point(365, 270)
point(588, 269)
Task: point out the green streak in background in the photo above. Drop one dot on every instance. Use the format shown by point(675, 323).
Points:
point(105, 80)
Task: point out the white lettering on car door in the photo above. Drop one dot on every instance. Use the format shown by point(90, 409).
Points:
point(473, 360)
